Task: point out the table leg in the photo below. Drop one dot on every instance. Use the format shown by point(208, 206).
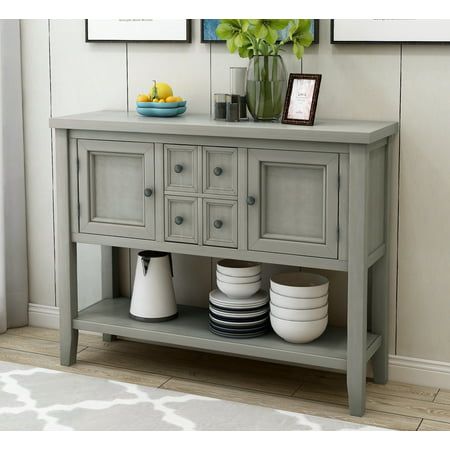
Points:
point(357, 279)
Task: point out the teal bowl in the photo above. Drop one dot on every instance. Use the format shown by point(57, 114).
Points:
point(161, 112)
point(161, 105)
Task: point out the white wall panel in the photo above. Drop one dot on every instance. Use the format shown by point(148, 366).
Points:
point(38, 161)
point(424, 237)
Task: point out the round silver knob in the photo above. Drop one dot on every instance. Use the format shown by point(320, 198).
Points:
point(178, 168)
point(218, 171)
point(251, 200)
point(178, 220)
point(148, 192)
point(218, 224)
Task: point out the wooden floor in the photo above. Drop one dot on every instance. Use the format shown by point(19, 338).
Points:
point(395, 405)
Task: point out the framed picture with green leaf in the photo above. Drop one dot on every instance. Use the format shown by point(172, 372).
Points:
point(208, 31)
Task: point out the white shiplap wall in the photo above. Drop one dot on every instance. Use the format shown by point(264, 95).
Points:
point(63, 74)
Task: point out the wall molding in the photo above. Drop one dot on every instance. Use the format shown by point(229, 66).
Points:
point(423, 372)
point(43, 316)
point(402, 369)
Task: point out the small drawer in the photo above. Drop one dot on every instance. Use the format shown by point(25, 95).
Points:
point(181, 168)
point(220, 170)
point(220, 223)
point(181, 219)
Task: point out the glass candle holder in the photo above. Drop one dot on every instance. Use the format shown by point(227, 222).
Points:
point(220, 106)
point(232, 108)
point(238, 80)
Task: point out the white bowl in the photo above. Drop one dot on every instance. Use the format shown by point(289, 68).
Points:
point(237, 280)
point(298, 332)
point(299, 314)
point(235, 268)
point(299, 284)
point(244, 290)
point(296, 302)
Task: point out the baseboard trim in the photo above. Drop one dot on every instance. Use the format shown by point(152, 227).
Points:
point(423, 372)
point(43, 316)
point(403, 369)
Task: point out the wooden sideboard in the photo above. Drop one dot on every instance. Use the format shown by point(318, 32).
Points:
point(313, 197)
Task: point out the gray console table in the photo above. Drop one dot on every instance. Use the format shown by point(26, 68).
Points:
point(304, 196)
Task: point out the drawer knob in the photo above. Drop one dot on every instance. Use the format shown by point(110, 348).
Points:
point(218, 224)
point(251, 200)
point(218, 171)
point(178, 168)
point(178, 220)
point(148, 192)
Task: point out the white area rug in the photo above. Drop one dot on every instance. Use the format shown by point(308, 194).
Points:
point(33, 398)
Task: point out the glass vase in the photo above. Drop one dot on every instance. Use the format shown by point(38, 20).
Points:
point(266, 87)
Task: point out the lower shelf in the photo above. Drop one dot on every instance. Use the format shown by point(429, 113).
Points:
point(190, 330)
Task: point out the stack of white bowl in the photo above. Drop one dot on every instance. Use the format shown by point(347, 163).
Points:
point(238, 279)
point(298, 306)
point(239, 309)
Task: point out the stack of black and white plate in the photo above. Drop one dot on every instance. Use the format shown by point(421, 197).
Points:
point(239, 318)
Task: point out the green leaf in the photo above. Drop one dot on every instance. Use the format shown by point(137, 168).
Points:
point(244, 52)
point(279, 24)
point(225, 31)
point(272, 35)
point(231, 45)
point(239, 40)
point(261, 31)
point(306, 39)
point(304, 25)
point(298, 50)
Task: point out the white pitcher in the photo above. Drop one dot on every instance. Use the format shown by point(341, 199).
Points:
point(153, 298)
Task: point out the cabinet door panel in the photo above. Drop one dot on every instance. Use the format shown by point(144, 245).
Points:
point(181, 219)
point(113, 178)
point(181, 168)
point(220, 223)
point(220, 170)
point(296, 202)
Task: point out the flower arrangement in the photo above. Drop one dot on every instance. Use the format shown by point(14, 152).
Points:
point(261, 40)
point(261, 37)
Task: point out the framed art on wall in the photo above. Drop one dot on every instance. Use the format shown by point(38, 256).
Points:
point(389, 31)
point(208, 30)
point(301, 99)
point(138, 30)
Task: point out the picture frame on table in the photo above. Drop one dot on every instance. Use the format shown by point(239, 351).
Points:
point(208, 30)
point(301, 99)
point(139, 30)
point(389, 31)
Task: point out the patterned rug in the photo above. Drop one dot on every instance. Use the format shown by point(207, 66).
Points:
point(32, 398)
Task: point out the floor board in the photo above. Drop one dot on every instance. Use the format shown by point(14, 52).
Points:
point(443, 397)
point(394, 405)
point(432, 425)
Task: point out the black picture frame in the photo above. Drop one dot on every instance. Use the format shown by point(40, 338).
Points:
point(207, 41)
point(335, 41)
point(188, 39)
point(312, 112)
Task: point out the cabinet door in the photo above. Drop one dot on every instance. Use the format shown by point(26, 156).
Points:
point(293, 202)
point(181, 220)
point(220, 223)
point(181, 168)
point(116, 182)
point(220, 170)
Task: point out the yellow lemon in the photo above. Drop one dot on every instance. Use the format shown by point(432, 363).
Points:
point(155, 100)
point(172, 99)
point(163, 90)
point(162, 101)
point(143, 98)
